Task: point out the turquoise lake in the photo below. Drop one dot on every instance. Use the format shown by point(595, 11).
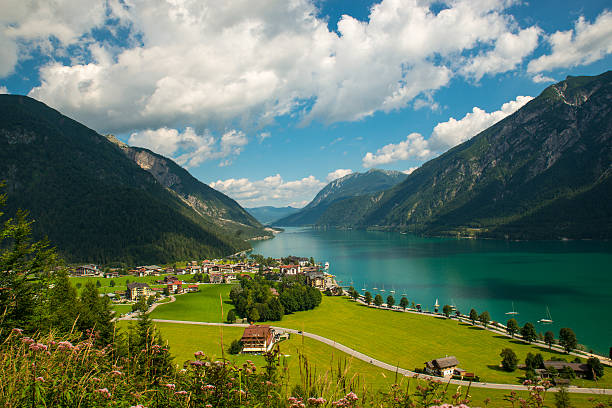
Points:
point(573, 279)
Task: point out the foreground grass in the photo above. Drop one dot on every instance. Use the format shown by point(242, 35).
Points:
point(324, 363)
point(403, 339)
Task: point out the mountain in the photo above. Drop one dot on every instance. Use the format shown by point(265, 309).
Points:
point(93, 201)
point(211, 204)
point(352, 185)
point(268, 214)
point(543, 172)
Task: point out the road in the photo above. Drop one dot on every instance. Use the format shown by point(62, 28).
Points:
point(381, 364)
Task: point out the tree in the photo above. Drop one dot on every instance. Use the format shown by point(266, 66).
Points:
point(549, 338)
point(528, 332)
point(78, 285)
point(473, 316)
point(390, 301)
point(567, 339)
point(63, 310)
point(404, 302)
point(484, 318)
point(512, 327)
point(562, 398)
point(24, 276)
point(98, 284)
point(235, 347)
point(254, 315)
point(596, 368)
point(378, 300)
point(353, 293)
point(231, 316)
point(509, 359)
point(140, 305)
point(111, 283)
point(534, 361)
point(447, 310)
point(368, 297)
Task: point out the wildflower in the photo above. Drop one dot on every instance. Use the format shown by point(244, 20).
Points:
point(208, 387)
point(17, 331)
point(104, 392)
point(95, 379)
point(27, 340)
point(317, 401)
point(197, 363)
point(180, 393)
point(138, 406)
point(38, 347)
point(40, 379)
point(65, 345)
point(351, 396)
point(116, 373)
point(198, 353)
point(208, 406)
point(170, 386)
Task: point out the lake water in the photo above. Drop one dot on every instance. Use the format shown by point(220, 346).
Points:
point(573, 279)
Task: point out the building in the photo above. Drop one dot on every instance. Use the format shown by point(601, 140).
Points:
point(193, 288)
point(442, 367)
point(86, 270)
point(581, 370)
point(137, 289)
point(257, 339)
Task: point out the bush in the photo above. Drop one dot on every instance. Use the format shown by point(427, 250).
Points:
point(235, 347)
point(509, 359)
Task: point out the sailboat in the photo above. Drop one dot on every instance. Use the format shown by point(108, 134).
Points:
point(383, 288)
point(548, 319)
point(513, 312)
point(436, 306)
point(393, 290)
point(364, 287)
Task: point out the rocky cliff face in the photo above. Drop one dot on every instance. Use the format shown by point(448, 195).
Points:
point(211, 204)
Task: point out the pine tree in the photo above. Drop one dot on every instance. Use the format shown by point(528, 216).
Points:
point(63, 308)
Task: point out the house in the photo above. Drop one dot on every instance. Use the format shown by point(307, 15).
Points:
point(215, 278)
point(193, 288)
point(175, 287)
point(316, 279)
point(86, 270)
point(111, 274)
point(581, 370)
point(135, 290)
point(442, 367)
point(290, 269)
point(257, 339)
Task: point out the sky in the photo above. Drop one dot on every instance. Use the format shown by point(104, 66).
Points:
point(269, 100)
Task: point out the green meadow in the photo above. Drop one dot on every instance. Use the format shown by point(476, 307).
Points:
point(120, 284)
point(403, 339)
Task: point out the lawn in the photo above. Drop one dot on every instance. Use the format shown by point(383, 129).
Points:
point(121, 309)
point(323, 361)
point(202, 306)
point(119, 282)
point(403, 339)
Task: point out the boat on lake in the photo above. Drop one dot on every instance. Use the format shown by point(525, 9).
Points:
point(513, 312)
point(548, 319)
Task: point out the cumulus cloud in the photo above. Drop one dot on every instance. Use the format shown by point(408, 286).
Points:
point(509, 51)
point(539, 78)
point(444, 135)
point(339, 173)
point(221, 63)
point(193, 148)
point(584, 44)
point(272, 190)
point(263, 136)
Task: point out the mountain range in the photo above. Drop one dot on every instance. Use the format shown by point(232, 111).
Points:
point(104, 202)
point(543, 172)
point(268, 214)
point(349, 186)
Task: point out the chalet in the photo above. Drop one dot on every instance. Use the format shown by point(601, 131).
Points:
point(193, 288)
point(581, 370)
point(87, 270)
point(135, 290)
point(257, 339)
point(442, 367)
point(111, 274)
point(317, 279)
point(175, 287)
point(215, 278)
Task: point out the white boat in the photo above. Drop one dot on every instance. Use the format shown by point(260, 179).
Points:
point(436, 306)
point(383, 288)
point(548, 319)
point(513, 312)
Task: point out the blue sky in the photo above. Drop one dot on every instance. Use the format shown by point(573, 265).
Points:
point(267, 101)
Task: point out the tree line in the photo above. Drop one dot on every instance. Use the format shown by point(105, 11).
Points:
point(259, 299)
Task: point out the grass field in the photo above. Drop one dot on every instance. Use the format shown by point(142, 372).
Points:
point(119, 282)
point(121, 309)
point(323, 362)
point(202, 306)
point(403, 339)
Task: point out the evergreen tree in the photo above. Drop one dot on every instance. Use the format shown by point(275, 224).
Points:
point(596, 369)
point(63, 304)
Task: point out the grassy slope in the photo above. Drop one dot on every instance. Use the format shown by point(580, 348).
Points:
point(408, 339)
point(120, 284)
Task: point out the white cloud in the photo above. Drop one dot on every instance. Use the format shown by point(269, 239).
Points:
point(272, 190)
point(3, 90)
point(444, 135)
point(509, 51)
point(339, 173)
point(193, 149)
point(216, 64)
point(584, 44)
point(539, 78)
point(263, 136)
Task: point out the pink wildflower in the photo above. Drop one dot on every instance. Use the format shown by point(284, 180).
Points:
point(38, 347)
point(27, 340)
point(180, 393)
point(170, 386)
point(17, 331)
point(104, 391)
point(116, 373)
point(40, 379)
point(198, 353)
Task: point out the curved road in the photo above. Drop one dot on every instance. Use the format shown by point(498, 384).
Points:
point(381, 364)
